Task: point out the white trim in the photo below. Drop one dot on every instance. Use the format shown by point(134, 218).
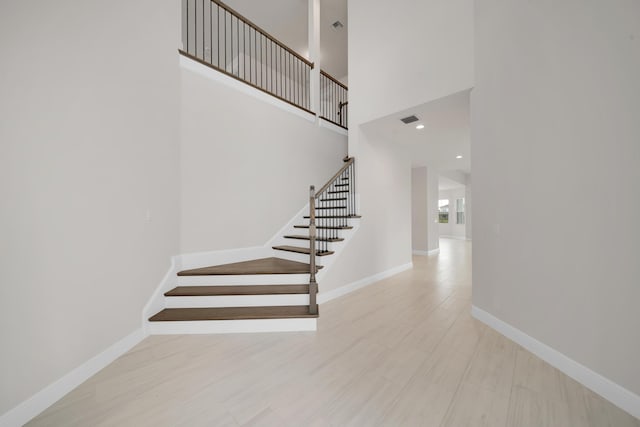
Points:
point(237, 300)
point(240, 280)
point(359, 284)
point(448, 236)
point(156, 303)
point(323, 123)
point(40, 401)
point(233, 326)
point(426, 253)
point(615, 393)
point(211, 74)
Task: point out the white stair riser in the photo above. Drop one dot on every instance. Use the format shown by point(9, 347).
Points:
point(236, 301)
point(232, 326)
point(294, 256)
point(249, 279)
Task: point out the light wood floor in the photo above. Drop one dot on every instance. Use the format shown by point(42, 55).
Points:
point(404, 351)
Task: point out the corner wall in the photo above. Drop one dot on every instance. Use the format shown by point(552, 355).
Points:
point(388, 75)
point(555, 134)
point(88, 179)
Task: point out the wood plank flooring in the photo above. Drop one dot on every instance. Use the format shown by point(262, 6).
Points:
point(402, 352)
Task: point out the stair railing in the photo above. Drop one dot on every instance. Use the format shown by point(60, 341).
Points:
point(333, 100)
point(336, 203)
point(219, 37)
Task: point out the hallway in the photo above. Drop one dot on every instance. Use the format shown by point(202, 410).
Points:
point(404, 351)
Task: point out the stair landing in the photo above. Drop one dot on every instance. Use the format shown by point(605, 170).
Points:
point(271, 265)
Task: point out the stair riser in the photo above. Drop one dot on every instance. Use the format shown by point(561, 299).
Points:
point(232, 326)
point(294, 256)
point(249, 279)
point(236, 301)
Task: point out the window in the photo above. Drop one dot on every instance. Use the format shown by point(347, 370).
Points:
point(459, 211)
point(443, 211)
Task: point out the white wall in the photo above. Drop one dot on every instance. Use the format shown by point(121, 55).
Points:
point(383, 240)
point(555, 119)
point(432, 205)
point(424, 209)
point(246, 166)
point(88, 173)
point(380, 86)
point(468, 205)
point(407, 53)
point(452, 228)
point(419, 211)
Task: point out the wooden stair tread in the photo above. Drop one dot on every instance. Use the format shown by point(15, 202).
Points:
point(202, 291)
point(341, 185)
point(337, 199)
point(337, 191)
point(300, 250)
point(331, 207)
point(327, 227)
point(270, 265)
point(319, 239)
point(232, 313)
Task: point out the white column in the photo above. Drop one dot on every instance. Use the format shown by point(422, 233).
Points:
point(314, 54)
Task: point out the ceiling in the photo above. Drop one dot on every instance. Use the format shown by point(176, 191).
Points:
point(287, 20)
point(446, 133)
point(445, 183)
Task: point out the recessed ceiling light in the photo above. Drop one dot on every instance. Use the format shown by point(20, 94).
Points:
point(458, 157)
point(420, 127)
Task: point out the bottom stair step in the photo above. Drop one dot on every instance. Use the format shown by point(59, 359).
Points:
point(232, 313)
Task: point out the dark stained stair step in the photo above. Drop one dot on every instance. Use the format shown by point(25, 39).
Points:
point(326, 227)
point(232, 313)
point(300, 250)
point(206, 291)
point(337, 191)
point(341, 185)
point(319, 239)
point(271, 265)
point(331, 207)
point(334, 199)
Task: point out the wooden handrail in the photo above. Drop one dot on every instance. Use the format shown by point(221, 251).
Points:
point(348, 161)
point(333, 79)
point(257, 28)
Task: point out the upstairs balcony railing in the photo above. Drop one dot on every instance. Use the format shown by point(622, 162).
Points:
point(217, 36)
point(333, 100)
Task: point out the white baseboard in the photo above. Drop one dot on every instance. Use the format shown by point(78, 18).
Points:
point(616, 394)
point(354, 286)
point(425, 253)
point(40, 401)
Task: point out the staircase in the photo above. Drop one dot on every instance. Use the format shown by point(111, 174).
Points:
point(276, 293)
